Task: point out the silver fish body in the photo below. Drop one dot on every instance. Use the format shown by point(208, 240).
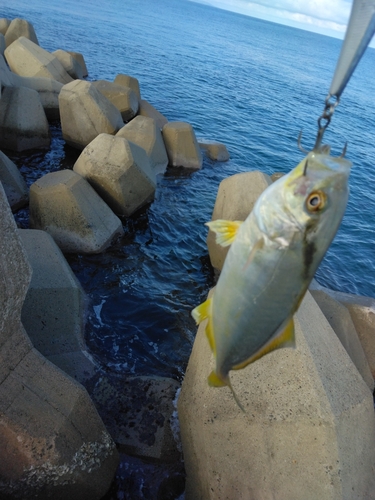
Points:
point(273, 257)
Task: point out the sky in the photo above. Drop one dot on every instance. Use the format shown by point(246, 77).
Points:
point(328, 17)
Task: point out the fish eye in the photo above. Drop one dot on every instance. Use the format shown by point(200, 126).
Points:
point(315, 201)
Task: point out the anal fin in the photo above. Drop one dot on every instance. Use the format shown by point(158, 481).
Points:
point(284, 338)
point(202, 312)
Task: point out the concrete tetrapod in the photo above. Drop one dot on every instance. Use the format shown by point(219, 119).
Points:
point(128, 81)
point(20, 27)
point(215, 150)
point(308, 431)
point(53, 443)
point(147, 109)
point(53, 310)
point(85, 113)
point(144, 132)
point(13, 183)
point(235, 199)
point(65, 205)
point(69, 63)
point(123, 98)
point(119, 171)
point(23, 123)
point(26, 58)
point(181, 145)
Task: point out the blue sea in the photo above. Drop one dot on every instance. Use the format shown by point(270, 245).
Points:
point(248, 83)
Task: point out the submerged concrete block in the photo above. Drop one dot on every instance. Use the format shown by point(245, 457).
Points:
point(308, 431)
point(23, 123)
point(20, 27)
point(13, 183)
point(235, 199)
point(80, 59)
point(181, 145)
point(119, 171)
point(123, 98)
point(65, 205)
point(342, 324)
point(148, 110)
point(128, 81)
point(144, 427)
point(53, 443)
point(215, 150)
point(47, 89)
point(144, 132)
point(86, 113)
point(69, 63)
point(53, 311)
point(25, 58)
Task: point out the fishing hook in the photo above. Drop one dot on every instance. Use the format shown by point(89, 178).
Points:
point(328, 111)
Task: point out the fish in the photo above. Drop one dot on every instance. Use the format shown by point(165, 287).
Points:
point(272, 258)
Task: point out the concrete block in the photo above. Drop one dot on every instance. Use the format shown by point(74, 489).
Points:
point(147, 109)
point(47, 89)
point(25, 58)
point(119, 171)
point(342, 324)
point(235, 199)
point(362, 312)
point(53, 311)
point(13, 183)
point(70, 64)
point(65, 205)
point(138, 412)
point(216, 151)
point(4, 24)
point(144, 132)
point(123, 98)
point(80, 59)
point(53, 443)
point(23, 123)
point(85, 113)
point(2, 44)
point(128, 81)
point(181, 145)
point(308, 431)
point(20, 27)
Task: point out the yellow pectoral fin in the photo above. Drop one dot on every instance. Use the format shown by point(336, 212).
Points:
point(225, 230)
point(285, 338)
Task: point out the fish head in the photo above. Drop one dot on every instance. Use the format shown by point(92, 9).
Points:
point(316, 192)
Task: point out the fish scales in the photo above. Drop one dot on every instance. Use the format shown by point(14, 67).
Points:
point(273, 256)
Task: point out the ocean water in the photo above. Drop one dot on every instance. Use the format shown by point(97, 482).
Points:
point(248, 83)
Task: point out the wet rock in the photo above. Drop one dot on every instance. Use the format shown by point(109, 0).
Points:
point(235, 199)
point(143, 132)
point(23, 123)
point(148, 110)
point(53, 311)
point(13, 183)
point(216, 151)
point(181, 145)
point(308, 431)
point(53, 443)
point(123, 98)
point(86, 113)
point(138, 414)
point(119, 171)
point(20, 28)
point(65, 205)
point(70, 64)
point(342, 324)
point(25, 58)
point(130, 82)
point(47, 89)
